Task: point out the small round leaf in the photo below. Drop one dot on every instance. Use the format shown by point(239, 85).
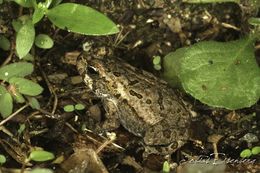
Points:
point(41, 156)
point(2, 159)
point(69, 108)
point(43, 41)
point(41, 170)
point(156, 60)
point(166, 167)
point(245, 153)
point(157, 67)
point(255, 150)
point(79, 107)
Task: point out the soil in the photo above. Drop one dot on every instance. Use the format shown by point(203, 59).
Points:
point(148, 28)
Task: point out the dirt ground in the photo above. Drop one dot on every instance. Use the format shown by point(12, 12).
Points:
point(147, 28)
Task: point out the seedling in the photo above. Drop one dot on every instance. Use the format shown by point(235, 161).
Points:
point(15, 86)
point(41, 156)
point(71, 108)
point(69, 16)
point(246, 153)
point(166, 167)
point(2, 159)
point(41, 170)
point(157, 63)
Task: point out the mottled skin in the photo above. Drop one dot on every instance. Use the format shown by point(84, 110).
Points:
point(145, 105)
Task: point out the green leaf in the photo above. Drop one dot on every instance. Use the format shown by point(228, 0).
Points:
point(41, 156)
point(25, 38)
point(43, 41)
point(157, 67)
point(254, 21)
point(210, 1)
point(81, 19)
point(255, 150)
point(17, 24)
point(6, 102)
point(26, 86)
point(2, 159)
point(28, 57)
point(41, 170)
point(69, 108)
point(4, 43)
point(33, 102)
point(18, 97)
point(19, 69)
point(166, 167)
point(37, 15)
point(24, 3)
point(218, 74)
point(55, 3)
point(21, 128)
point(79, 107)
point(245, 153)
point(156, 60)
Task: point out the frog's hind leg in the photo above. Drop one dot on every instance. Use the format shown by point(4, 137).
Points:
point(165, 134)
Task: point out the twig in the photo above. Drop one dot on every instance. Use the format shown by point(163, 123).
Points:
point(13, 114)
point(51, 90)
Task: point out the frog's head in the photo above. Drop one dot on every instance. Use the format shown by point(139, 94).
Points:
point(87, 71)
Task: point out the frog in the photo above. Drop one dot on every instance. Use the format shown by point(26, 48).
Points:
point(142, 103)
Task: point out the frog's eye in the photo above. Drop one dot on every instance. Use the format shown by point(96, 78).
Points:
point(92, 70)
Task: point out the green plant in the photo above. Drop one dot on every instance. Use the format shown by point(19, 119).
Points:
point(166, 167)
point(69, 16)
point(14, 86)
point(157, 63)
point(246, 153)
point(220, 74)
point(41, 170)
point(71, 108)
point(41, 156)
point(2, 159)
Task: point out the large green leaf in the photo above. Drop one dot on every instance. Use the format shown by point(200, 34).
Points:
point(81, 19)
point(6, 102)
point(25, 3)
point(26, 86)
point(19, 69)
point(218, 74)
point(25, 38)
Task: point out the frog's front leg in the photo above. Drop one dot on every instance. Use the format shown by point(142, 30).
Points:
point(112, 119)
